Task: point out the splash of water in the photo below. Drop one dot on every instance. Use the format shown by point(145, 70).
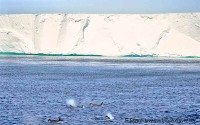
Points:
point(110, 116)
point(71, 102)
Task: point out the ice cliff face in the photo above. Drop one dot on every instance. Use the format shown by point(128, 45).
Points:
point(109, 35)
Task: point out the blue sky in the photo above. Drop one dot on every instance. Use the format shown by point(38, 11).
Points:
point(99, 6)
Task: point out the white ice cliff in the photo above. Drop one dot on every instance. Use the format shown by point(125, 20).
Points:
point(104, 34)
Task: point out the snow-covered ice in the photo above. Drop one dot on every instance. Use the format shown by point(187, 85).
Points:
point(102, 34)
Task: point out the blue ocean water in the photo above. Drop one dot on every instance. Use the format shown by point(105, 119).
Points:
point(34, 89)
